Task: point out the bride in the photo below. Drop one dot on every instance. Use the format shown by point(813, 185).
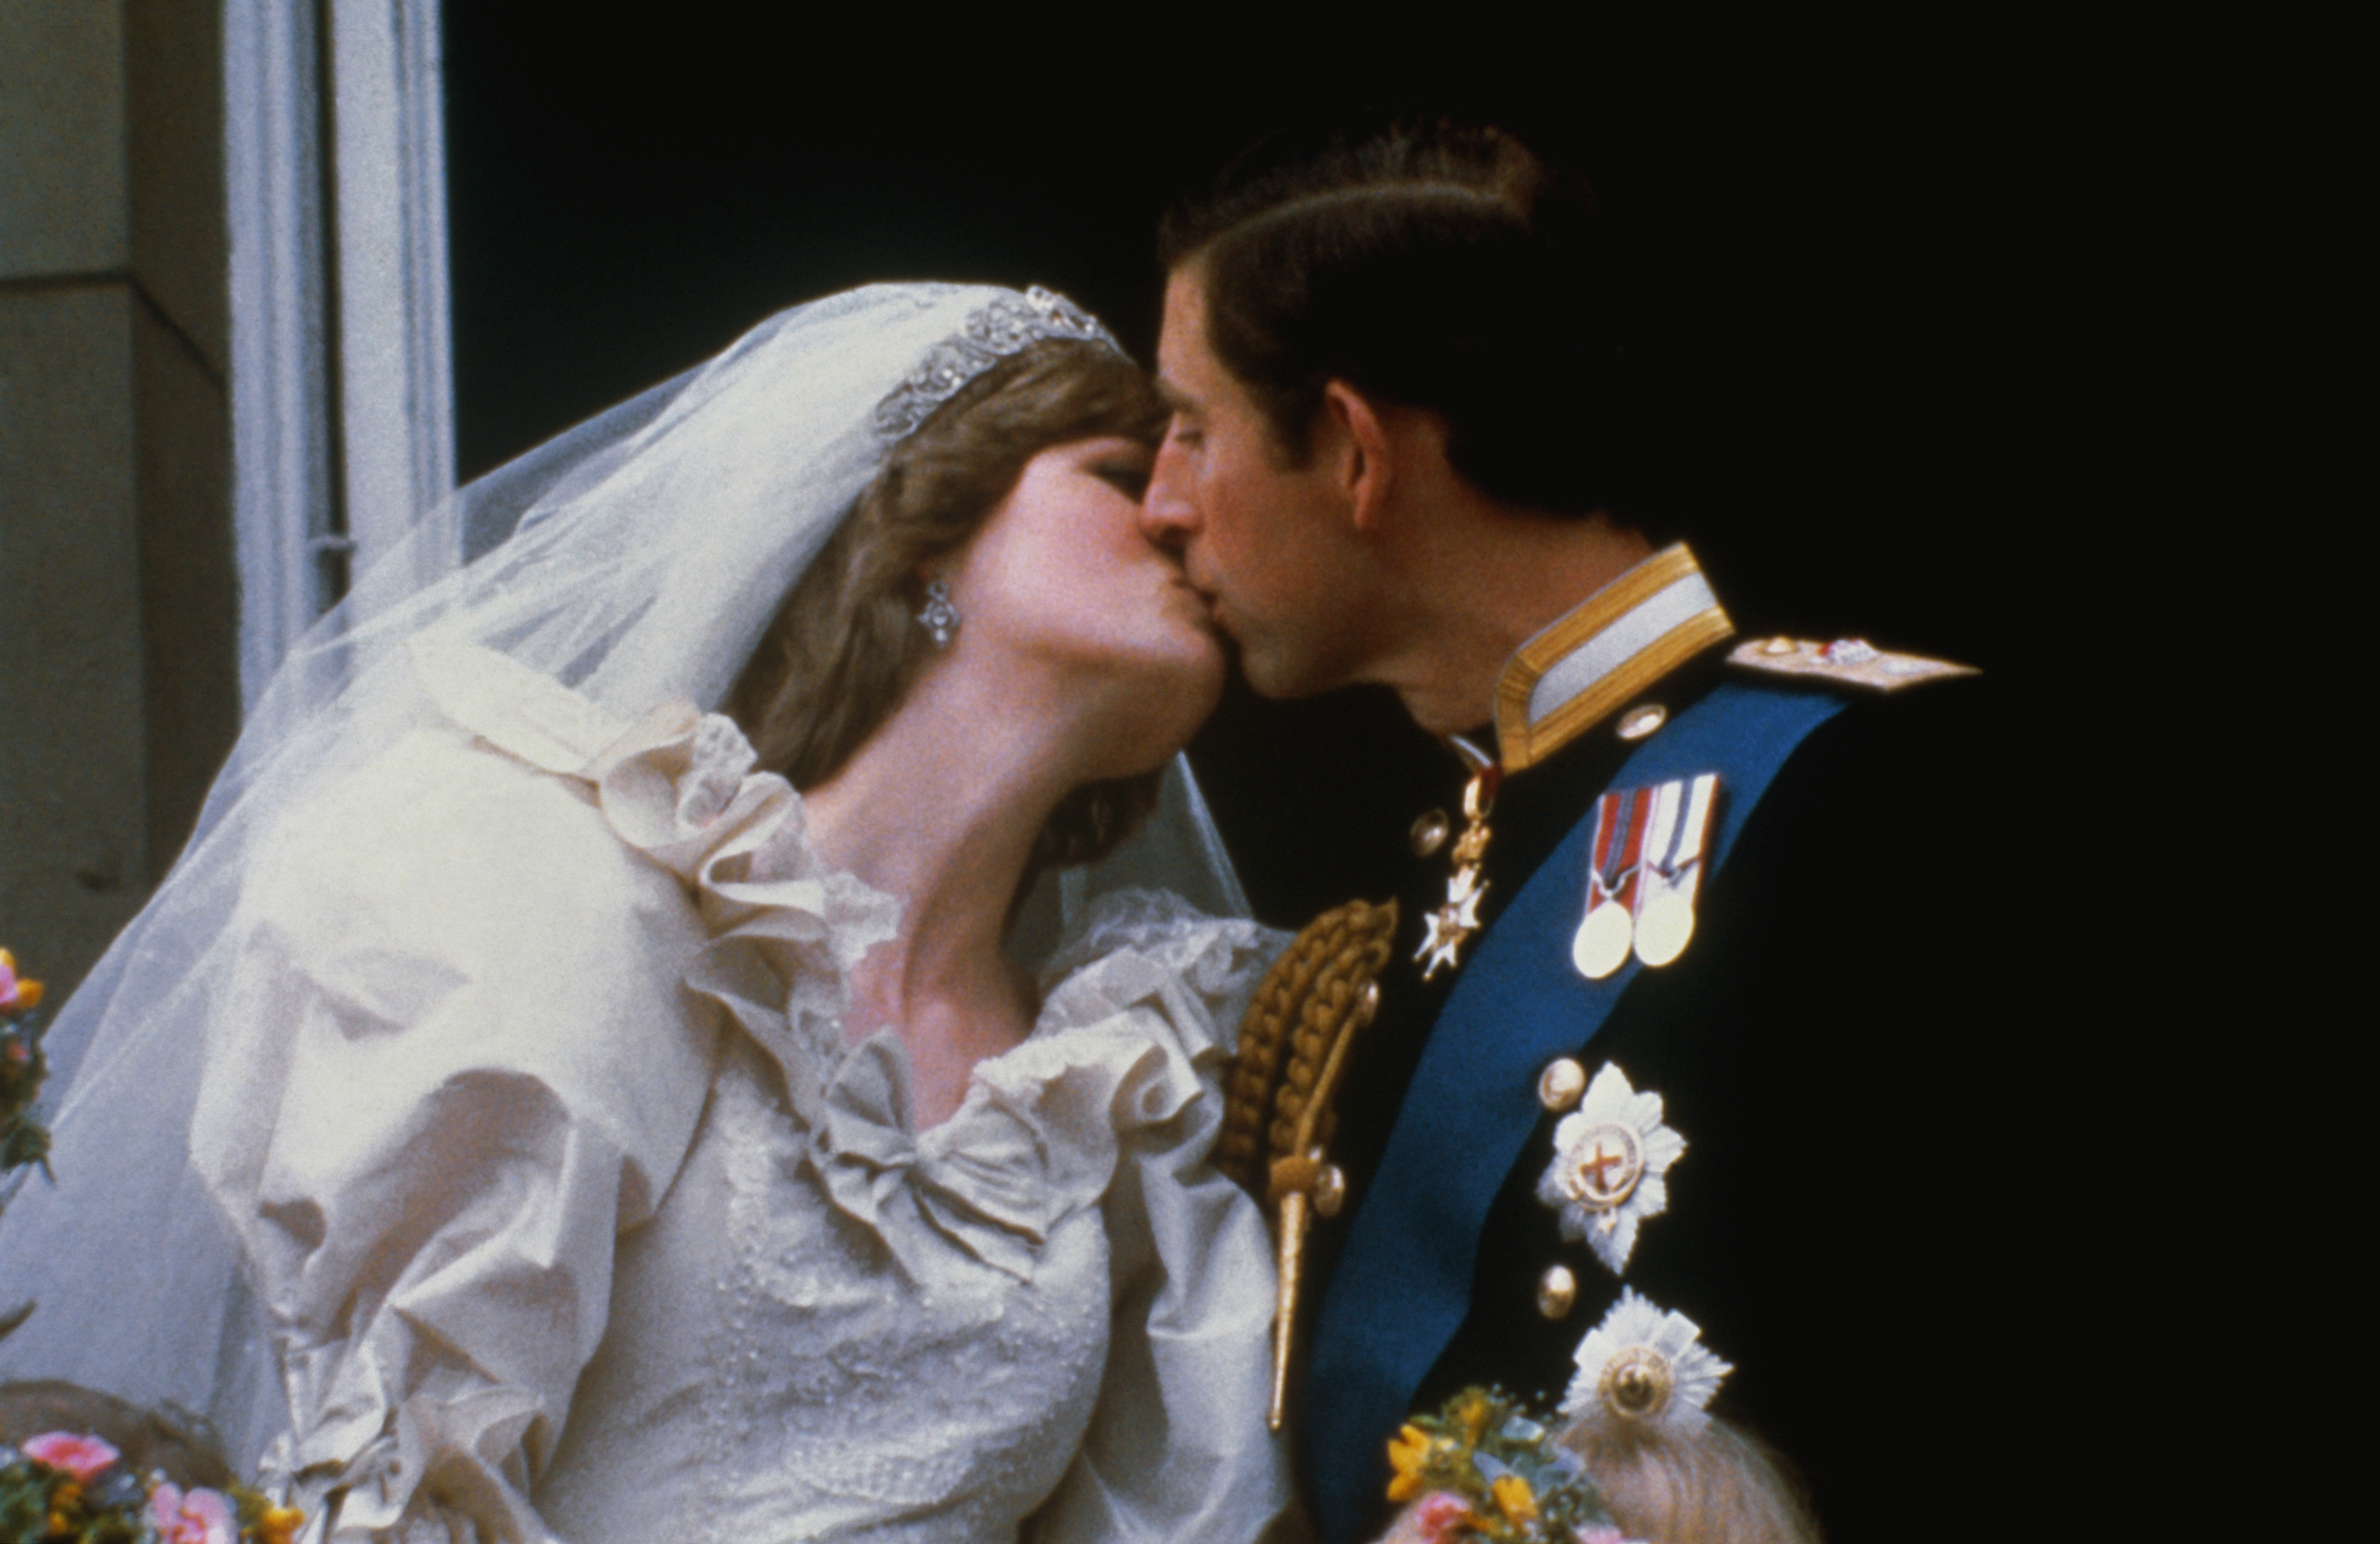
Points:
point(523, 1115)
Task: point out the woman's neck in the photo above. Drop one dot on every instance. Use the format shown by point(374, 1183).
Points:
point(940, 808)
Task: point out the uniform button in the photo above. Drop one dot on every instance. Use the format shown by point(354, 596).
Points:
point(1429, 833)
point(1557, 1290)
point(1561, 1083)
point(1642, 720)
point(1329, 1191)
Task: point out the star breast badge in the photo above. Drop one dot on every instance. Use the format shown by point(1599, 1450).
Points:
point(1646, 1367)
point(1610, 1157)
point(1446, 929)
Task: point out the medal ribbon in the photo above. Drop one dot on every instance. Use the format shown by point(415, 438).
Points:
point(1681, 821)
point(1619, 848)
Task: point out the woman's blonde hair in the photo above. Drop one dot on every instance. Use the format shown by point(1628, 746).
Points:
point(846, 645)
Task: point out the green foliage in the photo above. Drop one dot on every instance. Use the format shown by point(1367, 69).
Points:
point(35, 1500)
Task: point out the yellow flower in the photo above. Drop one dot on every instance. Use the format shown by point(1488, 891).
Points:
point(1472, 1412)
point(17, 994)
point(1408, 1451)
point(279, 1524)
point(1514, 1498)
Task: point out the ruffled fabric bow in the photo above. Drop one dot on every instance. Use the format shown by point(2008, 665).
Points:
point(1119, 1047)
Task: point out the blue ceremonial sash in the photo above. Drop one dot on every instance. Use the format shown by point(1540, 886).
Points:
point(1402, 1285)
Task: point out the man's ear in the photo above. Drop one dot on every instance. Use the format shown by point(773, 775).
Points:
point(1366, 471)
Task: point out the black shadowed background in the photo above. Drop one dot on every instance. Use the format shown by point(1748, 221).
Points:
point(1833, 263)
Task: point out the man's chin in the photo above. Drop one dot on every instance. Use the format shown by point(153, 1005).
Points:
point(1271, 675)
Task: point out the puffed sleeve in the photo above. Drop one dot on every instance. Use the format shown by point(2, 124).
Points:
point(457, 1058)
point(1177, 1447)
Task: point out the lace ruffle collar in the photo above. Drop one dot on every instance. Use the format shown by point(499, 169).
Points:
point(1140, 1005)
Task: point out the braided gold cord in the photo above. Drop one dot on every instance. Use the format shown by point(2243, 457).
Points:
point(1310, 1004)
point(1307, 1001)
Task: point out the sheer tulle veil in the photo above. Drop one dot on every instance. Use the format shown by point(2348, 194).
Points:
point(637, 559)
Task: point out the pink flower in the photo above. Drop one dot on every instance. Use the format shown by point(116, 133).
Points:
point(79, 1456)
point(198, 1517)
point(1436, 1515)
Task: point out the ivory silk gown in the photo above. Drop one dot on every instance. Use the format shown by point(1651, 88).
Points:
point(575, 1216)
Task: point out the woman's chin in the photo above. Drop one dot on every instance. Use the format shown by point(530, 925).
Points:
point(1160, 712)
point(1201, 690)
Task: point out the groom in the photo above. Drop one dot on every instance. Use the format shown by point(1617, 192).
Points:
point(1743, 874)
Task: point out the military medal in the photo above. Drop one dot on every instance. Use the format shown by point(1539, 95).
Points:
point(1601, 945)
point(1643, 868)
point(1679, 824)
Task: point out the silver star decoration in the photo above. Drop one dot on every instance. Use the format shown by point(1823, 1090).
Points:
point(1449, 925)
point(1611, 1157)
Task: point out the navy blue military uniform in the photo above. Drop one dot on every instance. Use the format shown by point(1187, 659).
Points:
point(1848, 1213)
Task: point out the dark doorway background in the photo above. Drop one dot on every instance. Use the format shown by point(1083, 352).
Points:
point(1832, 259)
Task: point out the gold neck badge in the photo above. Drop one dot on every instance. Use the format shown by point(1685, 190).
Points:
point(1445, 930)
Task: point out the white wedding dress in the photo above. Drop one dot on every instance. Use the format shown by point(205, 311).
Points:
point(574, 1215)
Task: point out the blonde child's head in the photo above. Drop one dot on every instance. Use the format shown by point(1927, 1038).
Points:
point(1635, 1420)
point(1714, 1485)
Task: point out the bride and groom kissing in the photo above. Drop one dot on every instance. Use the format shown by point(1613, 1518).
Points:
point(592, 1039)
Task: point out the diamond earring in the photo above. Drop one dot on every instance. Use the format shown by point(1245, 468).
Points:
point(939, 618)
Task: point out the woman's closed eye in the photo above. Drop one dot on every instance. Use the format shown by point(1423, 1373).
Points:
point(1128, 477)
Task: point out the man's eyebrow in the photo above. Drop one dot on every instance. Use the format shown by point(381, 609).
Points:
point(1174, 397)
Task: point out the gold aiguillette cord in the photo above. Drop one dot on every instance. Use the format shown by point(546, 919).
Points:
point(1303, 1184)
point(1293, 1046)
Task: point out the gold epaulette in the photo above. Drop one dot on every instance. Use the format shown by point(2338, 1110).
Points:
point(1276, 1108)
point(1853, 661)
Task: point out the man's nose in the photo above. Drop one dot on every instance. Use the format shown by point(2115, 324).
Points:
point(1168, 515)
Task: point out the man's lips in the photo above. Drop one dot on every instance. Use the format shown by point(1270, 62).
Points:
point(1208, 602)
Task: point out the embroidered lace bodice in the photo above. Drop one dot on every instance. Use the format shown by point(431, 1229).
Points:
point(578, 1218)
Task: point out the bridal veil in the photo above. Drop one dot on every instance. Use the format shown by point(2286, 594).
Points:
point(637, 560)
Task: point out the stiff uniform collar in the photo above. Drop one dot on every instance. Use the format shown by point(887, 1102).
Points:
point(1610, 647)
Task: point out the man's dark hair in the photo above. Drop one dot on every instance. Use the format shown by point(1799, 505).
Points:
point(1434, 265)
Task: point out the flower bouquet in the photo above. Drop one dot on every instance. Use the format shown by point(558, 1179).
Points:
point(1483, 1468)
point(23, 1140)
point(68, 1487)
point(65, 1488)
